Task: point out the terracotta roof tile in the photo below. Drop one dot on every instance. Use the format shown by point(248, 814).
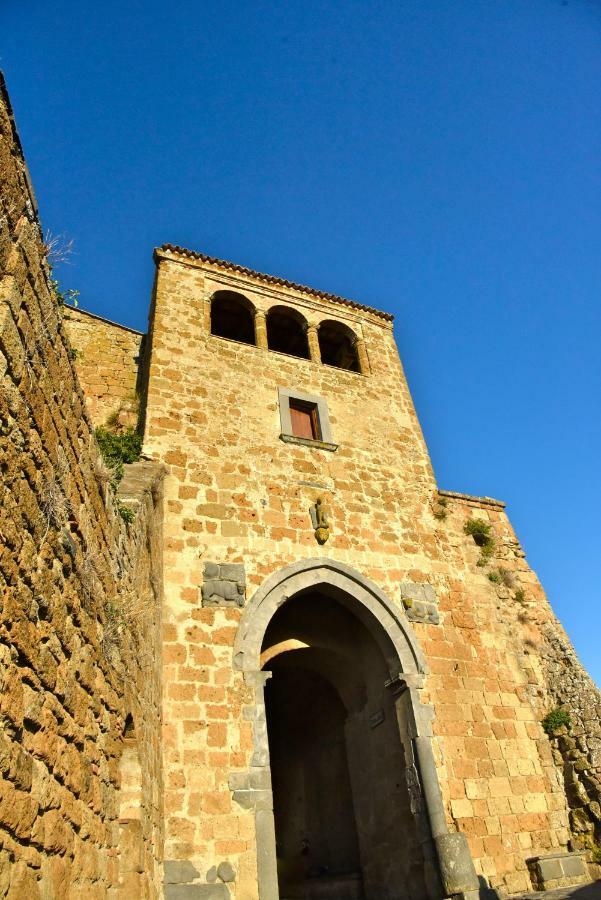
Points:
point(271, 279)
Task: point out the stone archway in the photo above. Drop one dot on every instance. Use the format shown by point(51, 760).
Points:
point(447, 866)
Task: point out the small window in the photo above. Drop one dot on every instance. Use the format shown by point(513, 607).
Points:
point(304, 420)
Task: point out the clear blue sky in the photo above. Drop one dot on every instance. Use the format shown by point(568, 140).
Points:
point(440, 160)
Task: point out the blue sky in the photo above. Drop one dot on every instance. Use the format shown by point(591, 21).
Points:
point(436, 159)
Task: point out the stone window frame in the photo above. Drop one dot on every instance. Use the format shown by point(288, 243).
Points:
point(285, 395)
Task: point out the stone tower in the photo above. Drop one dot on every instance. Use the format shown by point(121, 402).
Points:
point(347, 695)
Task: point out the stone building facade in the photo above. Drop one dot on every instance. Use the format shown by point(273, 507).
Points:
point(346, 696)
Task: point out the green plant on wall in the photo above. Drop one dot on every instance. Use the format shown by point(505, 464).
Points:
point(69, 297)
point(117, 449)
point(555, 719)
point(127, 514)
point(501, 576)
point(480, 531)
point(440, 512)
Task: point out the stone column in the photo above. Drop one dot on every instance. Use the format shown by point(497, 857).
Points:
point(260, 329)
point(362, 356)
point(313, 341)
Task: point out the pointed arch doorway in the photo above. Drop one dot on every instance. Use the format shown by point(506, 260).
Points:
point(341, 737)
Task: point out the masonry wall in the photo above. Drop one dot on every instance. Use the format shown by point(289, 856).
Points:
point(107, 360)
point(544, 672)
point(236, 493)
point(80, 599)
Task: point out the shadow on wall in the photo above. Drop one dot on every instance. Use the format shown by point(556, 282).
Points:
point(485, 892)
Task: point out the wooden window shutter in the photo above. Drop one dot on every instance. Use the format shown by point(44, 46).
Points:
point(303, 417)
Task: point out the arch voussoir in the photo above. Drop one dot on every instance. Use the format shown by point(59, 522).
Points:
point(364, 597)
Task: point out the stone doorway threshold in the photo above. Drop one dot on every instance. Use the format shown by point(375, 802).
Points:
point(583, 892)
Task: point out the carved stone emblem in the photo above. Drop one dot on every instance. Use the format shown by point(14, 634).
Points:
point(223, 585)
point(320, 522)
point(420, 602)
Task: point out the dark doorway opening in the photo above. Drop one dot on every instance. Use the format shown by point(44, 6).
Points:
point(316, 843)
point(343, 820)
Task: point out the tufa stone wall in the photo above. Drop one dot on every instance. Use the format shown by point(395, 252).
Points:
point(80, 605)
point(107, 358)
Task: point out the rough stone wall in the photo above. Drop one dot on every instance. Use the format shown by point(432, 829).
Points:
point(80, 598)
point(107, 358)
point(237, 494)
point(577, 748)
point(561, 680)
point(540, 666)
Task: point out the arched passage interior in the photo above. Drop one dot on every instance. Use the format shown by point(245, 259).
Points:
point(343, 819)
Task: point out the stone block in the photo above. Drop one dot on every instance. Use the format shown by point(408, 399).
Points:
point(217, 891)
point(180, 871)
point(223, 584)
point(573, 866)
point(420, 602)
point(558, 870)
point(549, 869)
point(226, 871)
point(232, 572)
point(239, 781)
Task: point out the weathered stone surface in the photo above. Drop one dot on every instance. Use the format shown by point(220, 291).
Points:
point(107, 357)
point(420, 602)
point(196, 892)
point(80, 616)
point(179, 871)
point(223, 585)
point(456, 867)
point(226, 871)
